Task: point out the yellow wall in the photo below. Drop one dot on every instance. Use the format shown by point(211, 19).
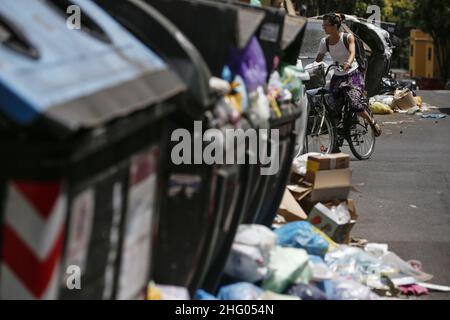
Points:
point(419, 63)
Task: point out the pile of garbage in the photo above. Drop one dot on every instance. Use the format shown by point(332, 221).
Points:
point(309, 254)
point(402, 101)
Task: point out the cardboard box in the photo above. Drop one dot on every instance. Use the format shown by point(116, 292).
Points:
point(290, 209)
point(328, 162)
point(323, 186)
point(322, 219)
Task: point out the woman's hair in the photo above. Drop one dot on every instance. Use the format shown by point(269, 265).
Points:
point(334, 19)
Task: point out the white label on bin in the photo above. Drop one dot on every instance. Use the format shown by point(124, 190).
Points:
point(269, 32)
point(80, 228)
point(136, 253)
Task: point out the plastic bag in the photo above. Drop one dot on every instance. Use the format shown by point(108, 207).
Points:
point(239, 291)
point(384, 99)
point(303, 235)
point(380, 108)
point(299, 163)
point(306, 292)
point(355, 263)
point(287, 266)
point(201, 294)
point(250, 253)
point(320, 270)
point(259, 104)
point(250, 64)
point(395, 262)
point(348, 289)
point(340, 213)
point(269, 295)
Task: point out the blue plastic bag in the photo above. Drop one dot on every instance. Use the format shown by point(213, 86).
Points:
point(240, 291)
point(201, 294)
point(302, 235)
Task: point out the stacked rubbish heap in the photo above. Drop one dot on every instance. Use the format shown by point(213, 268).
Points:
point(308, 253)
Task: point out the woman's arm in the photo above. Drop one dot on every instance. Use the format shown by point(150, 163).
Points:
point(320, 57)
point(352, 49)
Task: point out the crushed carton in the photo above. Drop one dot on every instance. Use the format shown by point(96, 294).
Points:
point(328, 162)
point(322, 186)
point(290, 209)
point(336, 227)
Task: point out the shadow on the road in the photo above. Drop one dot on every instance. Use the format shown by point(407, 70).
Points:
point(445, 110)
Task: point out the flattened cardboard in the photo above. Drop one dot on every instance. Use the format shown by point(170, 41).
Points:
point(290, 209)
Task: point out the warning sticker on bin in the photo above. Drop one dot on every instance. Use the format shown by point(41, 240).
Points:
point(184, 185)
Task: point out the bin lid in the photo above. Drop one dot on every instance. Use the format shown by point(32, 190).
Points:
point(213, 27)
point(76, 78)
point(160, 34)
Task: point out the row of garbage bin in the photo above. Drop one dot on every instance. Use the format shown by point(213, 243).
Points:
point(86, 123)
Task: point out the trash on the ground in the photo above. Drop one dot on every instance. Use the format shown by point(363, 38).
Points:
point(402, 280)
point(302, 235)
point(419, 101)
point(376, 249)
point(250, 253)
point(201, 294)
point(403, 99)
point(358, 242)
point(166, 292)
point(349, 289)
point(434, 287)
point(278, 221)
point(287, 266)
point(322, 186)
point(290, 209)
point(434, 116)
point(320, 270)
point(394, 261)
point(270, 295)
point(413, 206)
point(413, 110)
point(334, 221)
point(327, 162)
point(239, 291)
point(355, 263)
point(245, 263)
point(384, 99)
point(413, 289)
point(380, 108)
point(299, 164)
point(306, 292)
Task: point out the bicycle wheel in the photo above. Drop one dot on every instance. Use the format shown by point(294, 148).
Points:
point(321, 136)
point(361, 139)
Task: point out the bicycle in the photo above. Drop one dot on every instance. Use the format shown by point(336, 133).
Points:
point(326, 130)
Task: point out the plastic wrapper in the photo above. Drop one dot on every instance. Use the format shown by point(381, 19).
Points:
point(250, 64)
point(348, 289)
point(395, 263)
point(302, 235)
point(259, 104)
point(239, 291)
point(287, 266)
point(355, 263)
point(380, 108)
point(306, 292)
point(250, 253)
point(320, 270)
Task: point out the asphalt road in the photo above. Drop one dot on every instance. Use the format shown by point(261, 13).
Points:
point(405, 196)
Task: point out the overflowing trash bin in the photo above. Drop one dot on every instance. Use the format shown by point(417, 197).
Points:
point(81, 115)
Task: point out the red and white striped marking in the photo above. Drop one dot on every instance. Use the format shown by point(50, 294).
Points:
point(32, 240)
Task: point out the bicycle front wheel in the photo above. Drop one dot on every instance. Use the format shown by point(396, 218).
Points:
point(321, 136)
point(361, 139)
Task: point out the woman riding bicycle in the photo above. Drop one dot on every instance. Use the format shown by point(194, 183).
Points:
point(349, 81)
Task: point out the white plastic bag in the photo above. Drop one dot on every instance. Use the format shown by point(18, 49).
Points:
point(299, 163)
